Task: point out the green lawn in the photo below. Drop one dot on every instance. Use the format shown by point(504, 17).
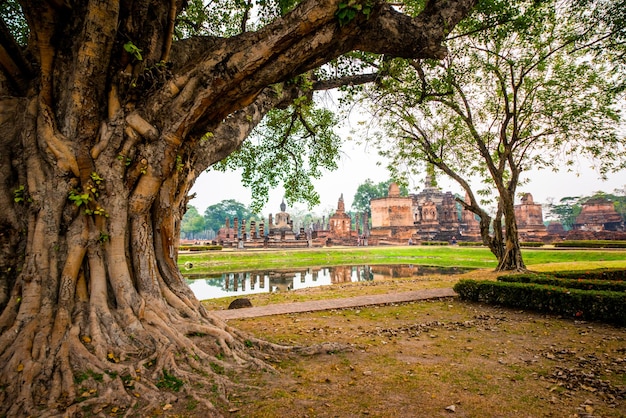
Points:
point(442, 256)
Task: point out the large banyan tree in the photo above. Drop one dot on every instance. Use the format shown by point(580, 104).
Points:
point(106, 119)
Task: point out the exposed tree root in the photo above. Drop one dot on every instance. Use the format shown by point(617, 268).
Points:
point(170, 359)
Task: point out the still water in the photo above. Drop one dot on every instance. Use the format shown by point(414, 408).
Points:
point(250, 282)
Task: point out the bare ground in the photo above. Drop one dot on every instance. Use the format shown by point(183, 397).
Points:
point(429, 359)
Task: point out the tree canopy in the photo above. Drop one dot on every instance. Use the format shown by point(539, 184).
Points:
point(520, 90)
point(215, 215)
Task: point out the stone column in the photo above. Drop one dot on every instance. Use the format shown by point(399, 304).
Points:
point(227, 225)
point(236, 228)
point(253, 233)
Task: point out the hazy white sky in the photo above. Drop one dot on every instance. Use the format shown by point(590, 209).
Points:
point(358, 163)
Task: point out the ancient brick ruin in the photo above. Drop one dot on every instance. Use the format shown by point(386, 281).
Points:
point(430, 215)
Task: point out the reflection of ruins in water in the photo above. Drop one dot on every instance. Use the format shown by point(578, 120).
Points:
point(251, 282)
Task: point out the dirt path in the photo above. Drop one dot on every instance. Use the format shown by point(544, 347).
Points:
point(322, 305)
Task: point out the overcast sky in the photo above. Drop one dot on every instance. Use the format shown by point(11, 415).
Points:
point(358, 163)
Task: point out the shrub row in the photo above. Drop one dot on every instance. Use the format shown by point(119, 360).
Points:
point(599, 274)
point(435, 243)
point(531, 244)
point(470, 243)
point(200, 247)
point(574, 303)
point(592, 244)
point(584, 284)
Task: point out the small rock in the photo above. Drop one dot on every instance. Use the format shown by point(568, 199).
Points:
point(240, 303)
point(451, 408)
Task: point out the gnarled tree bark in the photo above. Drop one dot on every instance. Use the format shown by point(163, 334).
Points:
point(98, 150)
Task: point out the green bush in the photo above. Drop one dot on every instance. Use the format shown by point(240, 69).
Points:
point(599, 274)
point(592, 244)
point(583, 284)
point(574, 303)
point(470, 243)
point(531, 244)
point(200, 248)
point(434, 243)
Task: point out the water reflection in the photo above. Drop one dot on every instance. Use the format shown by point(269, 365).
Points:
point(251, 282)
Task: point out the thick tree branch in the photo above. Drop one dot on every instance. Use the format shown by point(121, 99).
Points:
point(302, 40)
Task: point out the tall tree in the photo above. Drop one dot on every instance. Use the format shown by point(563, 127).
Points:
point(369, 190)
point(515, 93)
point(215, 215)
point(106, 120)
point(192, 224)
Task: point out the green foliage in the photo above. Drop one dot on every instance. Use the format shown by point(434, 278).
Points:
point(169, 381)
point(290, 147)
point(369, 190)
point(18, 194)
point(126, 160)
point(348, 10)
point(80, 199)
point(591, 244)
point(192, 224)
point(215, 215)
point(516, 93)
point(103, 237)
point(570, 283)
point(200, 248)
point(598, 274)
point(569, 208)
point(95, 177)
point(133, 50)
point(15, 20)
point(82, 376)
point(574, 303)
point(217, 369)
point(228, 17)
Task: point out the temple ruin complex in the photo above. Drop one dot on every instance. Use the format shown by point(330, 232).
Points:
point(429, 215)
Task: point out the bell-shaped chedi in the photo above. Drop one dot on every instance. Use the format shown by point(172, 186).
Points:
point(340, 222)
point(529, 217)
point(598, 214)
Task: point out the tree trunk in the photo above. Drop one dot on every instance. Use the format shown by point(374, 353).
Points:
point(99, 151)
point(511, 257)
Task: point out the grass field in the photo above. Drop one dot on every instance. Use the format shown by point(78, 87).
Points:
point(425, 359)
point(442, 256)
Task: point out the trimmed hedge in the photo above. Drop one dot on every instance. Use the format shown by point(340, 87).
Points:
point(589, 284)
point(592, 244)
point(599, 274)
point(200, 247)
point(574, 303)
point(434, 243)
point(531, 244)
point(470, 243)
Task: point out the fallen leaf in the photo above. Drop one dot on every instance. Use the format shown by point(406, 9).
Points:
point(20, 367)
point(167, 406)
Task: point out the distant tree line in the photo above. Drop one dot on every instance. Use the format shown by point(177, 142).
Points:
point(205, 226)
point(201, 227)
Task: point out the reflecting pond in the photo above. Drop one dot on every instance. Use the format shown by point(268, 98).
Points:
point(206, 286)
